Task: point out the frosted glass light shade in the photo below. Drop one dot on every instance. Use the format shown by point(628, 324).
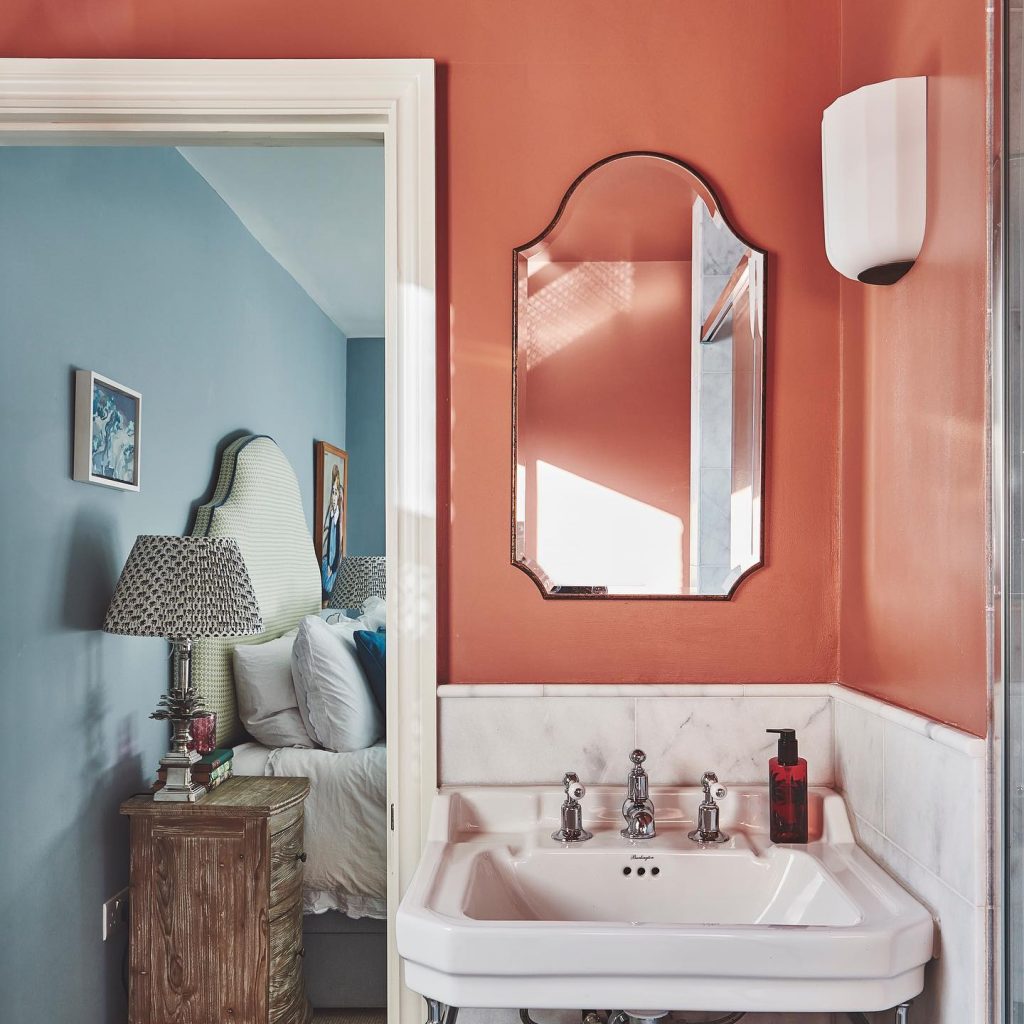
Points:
point(874, 175)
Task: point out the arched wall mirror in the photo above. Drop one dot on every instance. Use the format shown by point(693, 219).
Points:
point(638, 413)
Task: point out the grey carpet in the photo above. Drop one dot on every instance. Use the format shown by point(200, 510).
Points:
point(372, 1016)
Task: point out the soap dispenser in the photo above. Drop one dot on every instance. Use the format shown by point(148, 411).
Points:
point(787, 791)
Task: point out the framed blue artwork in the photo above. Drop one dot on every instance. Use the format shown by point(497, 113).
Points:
point(330, 500)
point(108, 424)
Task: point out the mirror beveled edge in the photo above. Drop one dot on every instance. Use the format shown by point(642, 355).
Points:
point(583, 593)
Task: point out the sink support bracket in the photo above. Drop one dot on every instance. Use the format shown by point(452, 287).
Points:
point(439, 1013)
point(902, 1015)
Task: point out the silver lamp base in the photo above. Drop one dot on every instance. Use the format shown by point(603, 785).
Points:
point(179, 708)
point(179, 786)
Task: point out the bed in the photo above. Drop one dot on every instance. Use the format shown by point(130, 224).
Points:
point(257, 501)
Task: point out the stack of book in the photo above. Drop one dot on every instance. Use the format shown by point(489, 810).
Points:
point(210, 770)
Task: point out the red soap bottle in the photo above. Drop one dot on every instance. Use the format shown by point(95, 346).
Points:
point(787, 791)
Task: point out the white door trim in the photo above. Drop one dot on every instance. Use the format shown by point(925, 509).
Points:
point(173, 102)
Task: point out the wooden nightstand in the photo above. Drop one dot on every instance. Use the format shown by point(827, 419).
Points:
point(216, 906)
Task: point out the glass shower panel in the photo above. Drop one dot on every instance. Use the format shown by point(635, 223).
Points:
point(1013, 302)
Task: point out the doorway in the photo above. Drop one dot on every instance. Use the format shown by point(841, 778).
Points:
point(191, 103)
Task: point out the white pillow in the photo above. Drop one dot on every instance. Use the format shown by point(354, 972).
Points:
point(334, 616)
point(334, 696)
point(266, 695)
point(374, 613)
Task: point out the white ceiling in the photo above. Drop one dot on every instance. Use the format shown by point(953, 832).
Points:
point(319, 211)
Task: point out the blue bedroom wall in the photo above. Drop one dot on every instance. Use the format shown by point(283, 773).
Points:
point(365, 443)
point(126, 262)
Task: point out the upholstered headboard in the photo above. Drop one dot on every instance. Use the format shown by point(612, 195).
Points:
point(256, 501)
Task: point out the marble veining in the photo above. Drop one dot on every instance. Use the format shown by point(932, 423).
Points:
point(859, 767)
point(727, 735)
point(937, 832)
point(720, 248)
point(522, 741)
point(715, 526)
point(716, 420)
point(955, 991)
point(917, 792)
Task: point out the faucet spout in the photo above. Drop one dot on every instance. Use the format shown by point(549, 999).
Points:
point(638, 809)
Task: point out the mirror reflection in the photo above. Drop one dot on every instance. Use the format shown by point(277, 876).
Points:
point(639, 390)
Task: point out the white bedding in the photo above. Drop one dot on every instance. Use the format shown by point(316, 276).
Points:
point(345, 823)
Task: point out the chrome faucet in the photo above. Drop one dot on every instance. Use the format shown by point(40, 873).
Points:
point(707, 830)
point(572, 830)
point(637, 809)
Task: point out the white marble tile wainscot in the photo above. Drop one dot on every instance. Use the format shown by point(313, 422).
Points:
point(917, 791)
point(531, 734)
point(915, 788)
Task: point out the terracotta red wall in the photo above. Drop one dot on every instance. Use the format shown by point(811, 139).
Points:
point(914, 384)
point(525, 115)
point(530, 94)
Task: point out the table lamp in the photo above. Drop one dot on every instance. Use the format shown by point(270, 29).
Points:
point(359, 577)
point(183, 589)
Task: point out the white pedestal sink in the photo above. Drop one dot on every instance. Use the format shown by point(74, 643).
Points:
point(500, 915)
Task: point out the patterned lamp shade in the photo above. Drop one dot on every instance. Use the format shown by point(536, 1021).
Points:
point(184, 588)
point(359, 577)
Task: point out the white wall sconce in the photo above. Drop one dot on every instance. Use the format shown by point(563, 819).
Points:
point(874, 174)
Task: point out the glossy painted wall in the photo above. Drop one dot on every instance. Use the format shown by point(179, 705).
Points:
point(913, 440)
point(530, 94)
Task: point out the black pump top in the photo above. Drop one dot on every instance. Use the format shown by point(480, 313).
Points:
point(788, 754)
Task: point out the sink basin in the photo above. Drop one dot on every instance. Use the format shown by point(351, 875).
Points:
point(500, 915)
point(781, 887)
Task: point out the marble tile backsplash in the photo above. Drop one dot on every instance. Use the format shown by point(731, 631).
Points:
point(502, 737)
point(916, 790)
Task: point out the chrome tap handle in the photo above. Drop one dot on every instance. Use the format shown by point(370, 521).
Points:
point(637, 781)
point(572, 830)
point(637, 808)
point(711, 795)
point(574, 789)
point(707, 830)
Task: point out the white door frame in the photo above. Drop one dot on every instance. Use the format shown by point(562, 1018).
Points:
point(172, 102)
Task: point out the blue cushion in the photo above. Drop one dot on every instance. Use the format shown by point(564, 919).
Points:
point(371, 650)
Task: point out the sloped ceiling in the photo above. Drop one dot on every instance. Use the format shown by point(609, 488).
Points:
point(318, 211)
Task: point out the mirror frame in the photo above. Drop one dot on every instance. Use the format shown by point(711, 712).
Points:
point(583, 593)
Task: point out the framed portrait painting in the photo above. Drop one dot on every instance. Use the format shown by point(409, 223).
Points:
point(330, 502)
point(108, 432)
